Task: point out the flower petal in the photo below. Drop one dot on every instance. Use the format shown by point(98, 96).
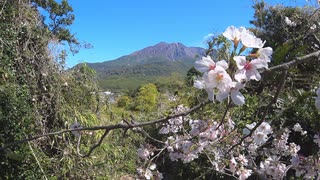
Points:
point(232, 33)
point(223, 64)
point(199, 84)
point(204, 64)
point(240, 61)
point(240, 75)
point(237, 97)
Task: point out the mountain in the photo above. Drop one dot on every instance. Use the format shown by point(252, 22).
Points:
point(147, 65)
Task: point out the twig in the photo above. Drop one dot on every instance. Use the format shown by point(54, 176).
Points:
point(314, 13)
point(142, 131)
point(4, 4)
point(224, 173)
point(315, 38)
point(224, 115)
point(92, 147)
point(38, 162)
point(107, 128)
point(265, 113)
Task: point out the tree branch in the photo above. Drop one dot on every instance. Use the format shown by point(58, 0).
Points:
point(107, 128)
point(92, 147)
point(294, 62)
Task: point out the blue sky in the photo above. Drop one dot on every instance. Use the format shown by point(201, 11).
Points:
point(117, 28)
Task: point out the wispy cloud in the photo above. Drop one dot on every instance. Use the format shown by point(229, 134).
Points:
point(208, 36)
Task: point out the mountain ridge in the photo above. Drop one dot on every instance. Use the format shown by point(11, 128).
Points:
point(147, 65)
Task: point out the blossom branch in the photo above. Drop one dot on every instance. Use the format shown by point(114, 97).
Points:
point(108, 128)
point(265, 113)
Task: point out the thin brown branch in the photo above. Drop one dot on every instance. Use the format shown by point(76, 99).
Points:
point(315, 12)
point(38, 162)
point(295, 62)
point(224, 115)
point(266, 111)
point(109, 127)
point(92, 147)
point(142, 131)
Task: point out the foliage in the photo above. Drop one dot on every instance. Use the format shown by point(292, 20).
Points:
point(146, 98)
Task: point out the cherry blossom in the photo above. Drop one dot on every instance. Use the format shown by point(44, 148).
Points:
point(267, 151)
point(233, 163)
point(206, 64)
point(234, 34)
point(273, 167)
point(244, 173)
point(176, 124)
point(248, 70)
point(249, 40)
point(199, 84)
point(289, 22)
point(143, 153)
point(236, 95)
point(264, 53)
point(297, 128)
point(218, 83)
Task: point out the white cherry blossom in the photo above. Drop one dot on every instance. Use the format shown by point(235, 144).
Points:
point(250, 40)
point(248, 70)
point(233, 164)
point(218, 84)
point(236, 96)
point(199, 84)
point(244, 173)
point(264, 53)
point(143, 152)
point(297, 128)
point(206, 64)
point(264, 128)
point(233, 34)
point(289, 22)
point(260, 138)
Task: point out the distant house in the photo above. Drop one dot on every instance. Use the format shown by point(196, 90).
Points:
point(108, 96)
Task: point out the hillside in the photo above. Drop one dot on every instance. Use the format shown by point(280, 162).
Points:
point(150, 64)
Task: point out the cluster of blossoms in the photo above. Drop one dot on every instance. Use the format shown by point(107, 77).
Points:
point(176, 124)
point(262, 152)
point(216, 79)
point(260, 135)
point(150, 173)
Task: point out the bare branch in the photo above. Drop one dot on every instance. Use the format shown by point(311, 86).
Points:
point(224, 115)
point(294, 62)
point(92, 147)
point(108, 128)
point(148, 136)
point(38, 162)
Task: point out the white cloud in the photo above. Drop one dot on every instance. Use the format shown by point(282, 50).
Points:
point(208, 36)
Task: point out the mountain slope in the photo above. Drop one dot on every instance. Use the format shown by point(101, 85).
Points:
point(146, 65)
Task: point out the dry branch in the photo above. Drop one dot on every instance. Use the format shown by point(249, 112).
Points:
point(107, 129)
